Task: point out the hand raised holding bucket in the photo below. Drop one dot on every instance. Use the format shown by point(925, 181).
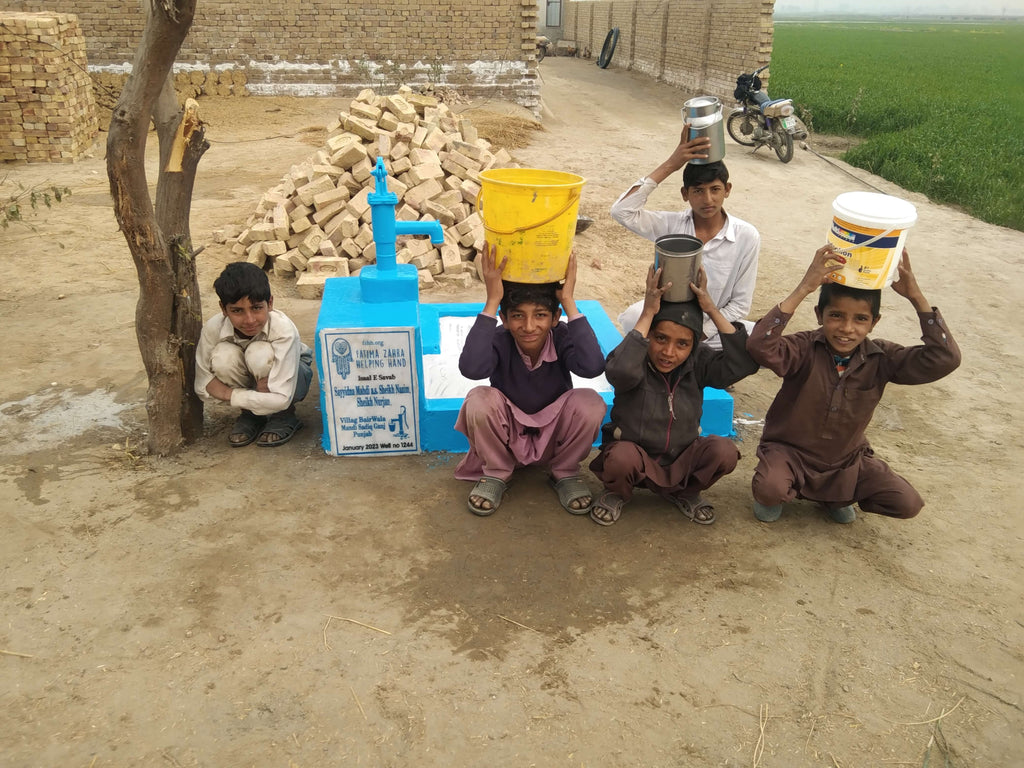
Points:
point(688, 150)
point(490, 273)
point(699, 288)
point(654, 291)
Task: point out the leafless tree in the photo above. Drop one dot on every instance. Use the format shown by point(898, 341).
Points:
point(168, 316)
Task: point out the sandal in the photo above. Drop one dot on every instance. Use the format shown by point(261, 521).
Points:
point(279, 429)
point(246, 429)
point(607, 509)
point(845, 514)
point(489, 489)
point(697, 509)
point(570, 489)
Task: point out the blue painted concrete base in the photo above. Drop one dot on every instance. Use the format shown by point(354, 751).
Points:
point(387, 287)
point(438, 415)
point(345, 309)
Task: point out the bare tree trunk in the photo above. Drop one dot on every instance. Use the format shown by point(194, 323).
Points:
point(168, 316)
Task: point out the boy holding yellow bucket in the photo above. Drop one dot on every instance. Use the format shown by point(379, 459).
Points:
point(530, 414)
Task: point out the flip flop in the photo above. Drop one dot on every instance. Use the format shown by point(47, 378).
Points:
point(282, 426)
point(569, 489)
point(490, 488)
point(610, 503)
point(247, 428)
point(692, 508)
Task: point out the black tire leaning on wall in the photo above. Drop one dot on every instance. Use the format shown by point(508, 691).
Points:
point(608, 49)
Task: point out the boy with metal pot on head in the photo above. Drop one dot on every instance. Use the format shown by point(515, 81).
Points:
point(731, 245)
point(813, 445)
point(659, 372)
point(530, 414)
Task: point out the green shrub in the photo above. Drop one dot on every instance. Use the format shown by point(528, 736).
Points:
point(13, 203)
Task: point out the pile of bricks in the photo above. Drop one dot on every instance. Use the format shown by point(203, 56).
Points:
point(225, 82)
point(315, 224)
point(47, 112)
point(192, 84)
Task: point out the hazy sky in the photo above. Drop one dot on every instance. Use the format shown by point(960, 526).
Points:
point(978, 7)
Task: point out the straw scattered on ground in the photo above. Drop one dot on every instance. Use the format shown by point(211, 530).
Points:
point(503, 131)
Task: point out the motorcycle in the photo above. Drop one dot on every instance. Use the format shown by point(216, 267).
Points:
point(761, 121)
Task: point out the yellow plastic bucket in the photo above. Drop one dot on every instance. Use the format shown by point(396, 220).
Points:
point(870, 229)
point(529, 216)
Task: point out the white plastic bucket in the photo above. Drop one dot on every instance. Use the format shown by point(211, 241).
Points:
point(870, 229)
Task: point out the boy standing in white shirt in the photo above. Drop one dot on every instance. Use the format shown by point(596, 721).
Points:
point(731, 245)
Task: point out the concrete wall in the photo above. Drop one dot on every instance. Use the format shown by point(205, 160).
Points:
point(330, 47)
point(697, 45)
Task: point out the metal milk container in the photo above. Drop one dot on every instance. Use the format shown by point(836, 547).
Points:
point(704, 114)
point(679, 258)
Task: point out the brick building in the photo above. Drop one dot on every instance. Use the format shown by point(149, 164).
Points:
point(479, 47)
point(324, 47)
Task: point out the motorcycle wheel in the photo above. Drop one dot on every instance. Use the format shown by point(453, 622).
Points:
point(782, 143)
point(608, 49)
point(541, 53)
point(741, 127)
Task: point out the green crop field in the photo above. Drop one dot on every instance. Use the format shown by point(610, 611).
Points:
point(940, 106)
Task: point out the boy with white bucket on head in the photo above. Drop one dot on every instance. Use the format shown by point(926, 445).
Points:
point(530, 414)
point(731, 245)
point(813, 445)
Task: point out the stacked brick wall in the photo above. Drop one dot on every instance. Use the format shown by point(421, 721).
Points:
point(699, 46)
point(47, 112)
point(334, 47)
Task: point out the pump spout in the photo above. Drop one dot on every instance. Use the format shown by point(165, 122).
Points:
point(432, 228)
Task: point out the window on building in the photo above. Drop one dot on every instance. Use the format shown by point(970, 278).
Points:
point(553, 18)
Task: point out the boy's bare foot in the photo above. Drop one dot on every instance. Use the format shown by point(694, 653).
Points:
point(486, 496)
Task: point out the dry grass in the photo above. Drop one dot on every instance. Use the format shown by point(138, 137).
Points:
point(504, 131)
point(314, 135)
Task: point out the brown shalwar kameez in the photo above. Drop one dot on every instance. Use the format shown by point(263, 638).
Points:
point(813, 446)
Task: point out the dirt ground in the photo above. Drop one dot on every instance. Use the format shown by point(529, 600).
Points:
point(256, 608)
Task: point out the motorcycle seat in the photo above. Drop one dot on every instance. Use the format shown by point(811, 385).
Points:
point(769, 102)
point(758, 97)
